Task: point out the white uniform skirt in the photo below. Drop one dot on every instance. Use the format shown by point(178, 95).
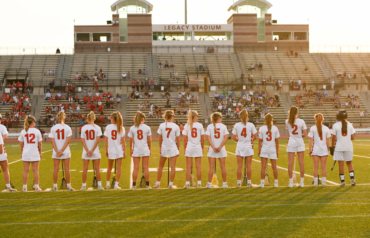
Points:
point(3, 157)
point(66, 155)
point(95, 156)
point(213, 154)
point(28, 159)
point(320, 151)
point(194, 152)
point(141, 152)
point(268, 154)
point(343, 155)
point(169, 152)
point(244, 150)
point(295, 149)
point(115, 156)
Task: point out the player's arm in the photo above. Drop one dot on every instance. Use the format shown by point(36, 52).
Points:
point(254, 137)
point(131, 146)
point(235, 138)
point(106, 146)
point(84, 145)
point(123, 143)
point(210, 142)
point(352, 136)
point(202, 142)
point(21, 145)
point(40, 148)
point(328, 142)
point(259, 146)
point(149, 140)
point(178, 142)
point(54, 145)
point(310, 147)
point(277, 146)
point(333, 140)
point(160, 142)
point(1, 148)
point(5, 137)
point(304, 133)
point(66, 144)
point(223, 142)
point(185, 142)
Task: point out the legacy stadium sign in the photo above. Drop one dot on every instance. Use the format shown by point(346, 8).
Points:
point(221, 27)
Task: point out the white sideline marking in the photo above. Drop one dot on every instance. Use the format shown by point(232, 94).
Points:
point(179, 207)
point(183, 220)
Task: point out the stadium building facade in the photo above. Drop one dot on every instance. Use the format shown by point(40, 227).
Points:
point(250, 28)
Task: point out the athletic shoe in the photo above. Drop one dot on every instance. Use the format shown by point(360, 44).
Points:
point(290, 185)
point(249, 185)
point(343, 184)
point(148, 187)
point(107, 187)
point(10, 189)
point(209, 186)
point(353, 182)
point(100, 188)
point(24, 190)
point(117, 188)
point(238, 185)
point(262, 185)
point(315, 184)
point(187, 186)
point(225, 186)
point(172, 187)
point(324, 184)
point(156, 186)
point(133, 187)
point(276, 184)
point(70, 189)
point(199, 186)
point(301, 184)
point(38, 189)
point(83, 188)
point(54, 189)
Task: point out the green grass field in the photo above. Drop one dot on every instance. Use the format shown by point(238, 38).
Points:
point(332, 211)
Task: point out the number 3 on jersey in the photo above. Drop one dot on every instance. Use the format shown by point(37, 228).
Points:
point(269, 136)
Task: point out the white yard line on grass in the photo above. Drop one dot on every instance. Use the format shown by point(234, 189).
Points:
point(182, 220)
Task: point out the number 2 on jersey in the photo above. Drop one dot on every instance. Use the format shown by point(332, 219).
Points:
point(60, 134)
point(168, 132)
point(30, 138)
point(295, 128)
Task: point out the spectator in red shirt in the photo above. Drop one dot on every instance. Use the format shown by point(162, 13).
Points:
point(101, 108)
point(92, 107)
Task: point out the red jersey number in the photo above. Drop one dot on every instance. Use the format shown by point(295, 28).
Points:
point(217, 133)
point(244, 132)
point(295, 128)
point(168, 132)
point(269, 136)
point(30, 138)
point(90, 135)
point(194, 132)
point(114, 135)
point(60, 134)
point(140, 134)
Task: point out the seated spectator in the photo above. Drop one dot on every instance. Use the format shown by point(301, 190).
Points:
point(251, 67)
point(150, 94)
point(339, 74)
point(152, 83)
point(160, 65)
point(171, 75)
point(124, 75)
point(176, 76)
point(140, 72)
point(172, 65)
point(287, 53)
point(137, 95)
point(306, 71)
point(212, 82)
point(201, 67)
point(57, 51)
point(48, 95)
point(296, 54)
point(366, 114)
point(260, 66)
point(166, 65)
point(362, 114)
point(77, 76)
point(144, 71)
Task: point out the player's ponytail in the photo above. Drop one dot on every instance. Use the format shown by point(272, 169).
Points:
point(244, 116)
point(268, 121)
point(138, 119)
point(91, 118)
point(292, 114)
point(191, 115)
point(28, 121)
point(60, 117)
point(214, 118)
point(117, 117)
point(319, 119)
point(168, 115)
point(342, 116)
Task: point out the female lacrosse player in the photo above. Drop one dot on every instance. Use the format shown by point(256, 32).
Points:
point(169, 145)
point(115, 146)
point(140, 147)
point(90, 135)
point(268, 148)
point(193, 146)
point(60, 135)
point(217, 136)
point(244, 133)
point(297, 131)
point(343, 134)
point(319, 146)
point(31, 147)
point(4, 158)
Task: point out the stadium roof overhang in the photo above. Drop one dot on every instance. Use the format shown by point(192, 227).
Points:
point(269, 5)
point(115, 4)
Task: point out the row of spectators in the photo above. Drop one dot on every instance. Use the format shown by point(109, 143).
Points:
point(50, 72)
point(292, 53)
point(99, 75)
point(142, 85)
point(346, 75)
point(166, 65)
point(18, 87)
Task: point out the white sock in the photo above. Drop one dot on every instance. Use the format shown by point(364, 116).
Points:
point(224, 183)
point(302, 180)
point(208, 183)
point(249, 181)
point(83, 184)
point(238, 181)
point(116, 184)
point(170, 184)
point(262, 181)
point(68, 185)
point(108, 183)
point(37, 186)
point(315, 179)
point(25, 186)
point(158, 183)
point(323, 179)
point(99, 183)
point(276, 180)
point(187, 183)
point(8, 185)
point(290, 180)
point(55, 185)
point(199, 182)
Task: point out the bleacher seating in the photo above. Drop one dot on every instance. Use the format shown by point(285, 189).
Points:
point(351, 63)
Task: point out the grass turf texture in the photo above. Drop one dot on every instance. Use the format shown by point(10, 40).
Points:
point(256, 212)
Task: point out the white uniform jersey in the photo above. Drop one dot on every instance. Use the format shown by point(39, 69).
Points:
point(268, 139)
point(115, 150)
point(217, 136)
point(169, 132)
point(295, 133)
point(60, 133)
point(3, 130)
point(140, 136)
point(344, 142)
point(320, 147)
point(244, 133)
point(194, 135)
point(3, 156)
point(31, 140)
point(90, 133)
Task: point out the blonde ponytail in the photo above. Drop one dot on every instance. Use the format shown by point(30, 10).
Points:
point(191, 115)
point(292, 114)
point(28, 121)
point(167, 115)
point(319, 118)
point(214, 118)
point(138, 118)
point(244, 116)
point(268, 121)
point(117, 117)
point(91, 118)
point(60, 117)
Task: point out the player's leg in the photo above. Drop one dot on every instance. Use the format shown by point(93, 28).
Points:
point(189, 161)
point(146, 170)
point(109, 172)
point(301, 167)
point(26, 171)
point(5, 168)
point(349, 156)
point(173, 169)
point(275, 171)
point(36, 179)
point(341, 172)
point(162, 161)
point(98, 174)
point(55, 173)
point(211, 165)
point(118, 172)
point(263, 170)
point(223, 171)
point(239, 161)
point(135, 172)
point(84, 172)
point(316, 163)
point(249, 169)
point(198, 164)
point(290, 167)
point(67, 171)
point(323, 169)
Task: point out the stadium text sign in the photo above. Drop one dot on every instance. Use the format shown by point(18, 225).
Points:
point(192, 27)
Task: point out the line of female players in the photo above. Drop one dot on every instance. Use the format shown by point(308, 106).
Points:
point(244, 133)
